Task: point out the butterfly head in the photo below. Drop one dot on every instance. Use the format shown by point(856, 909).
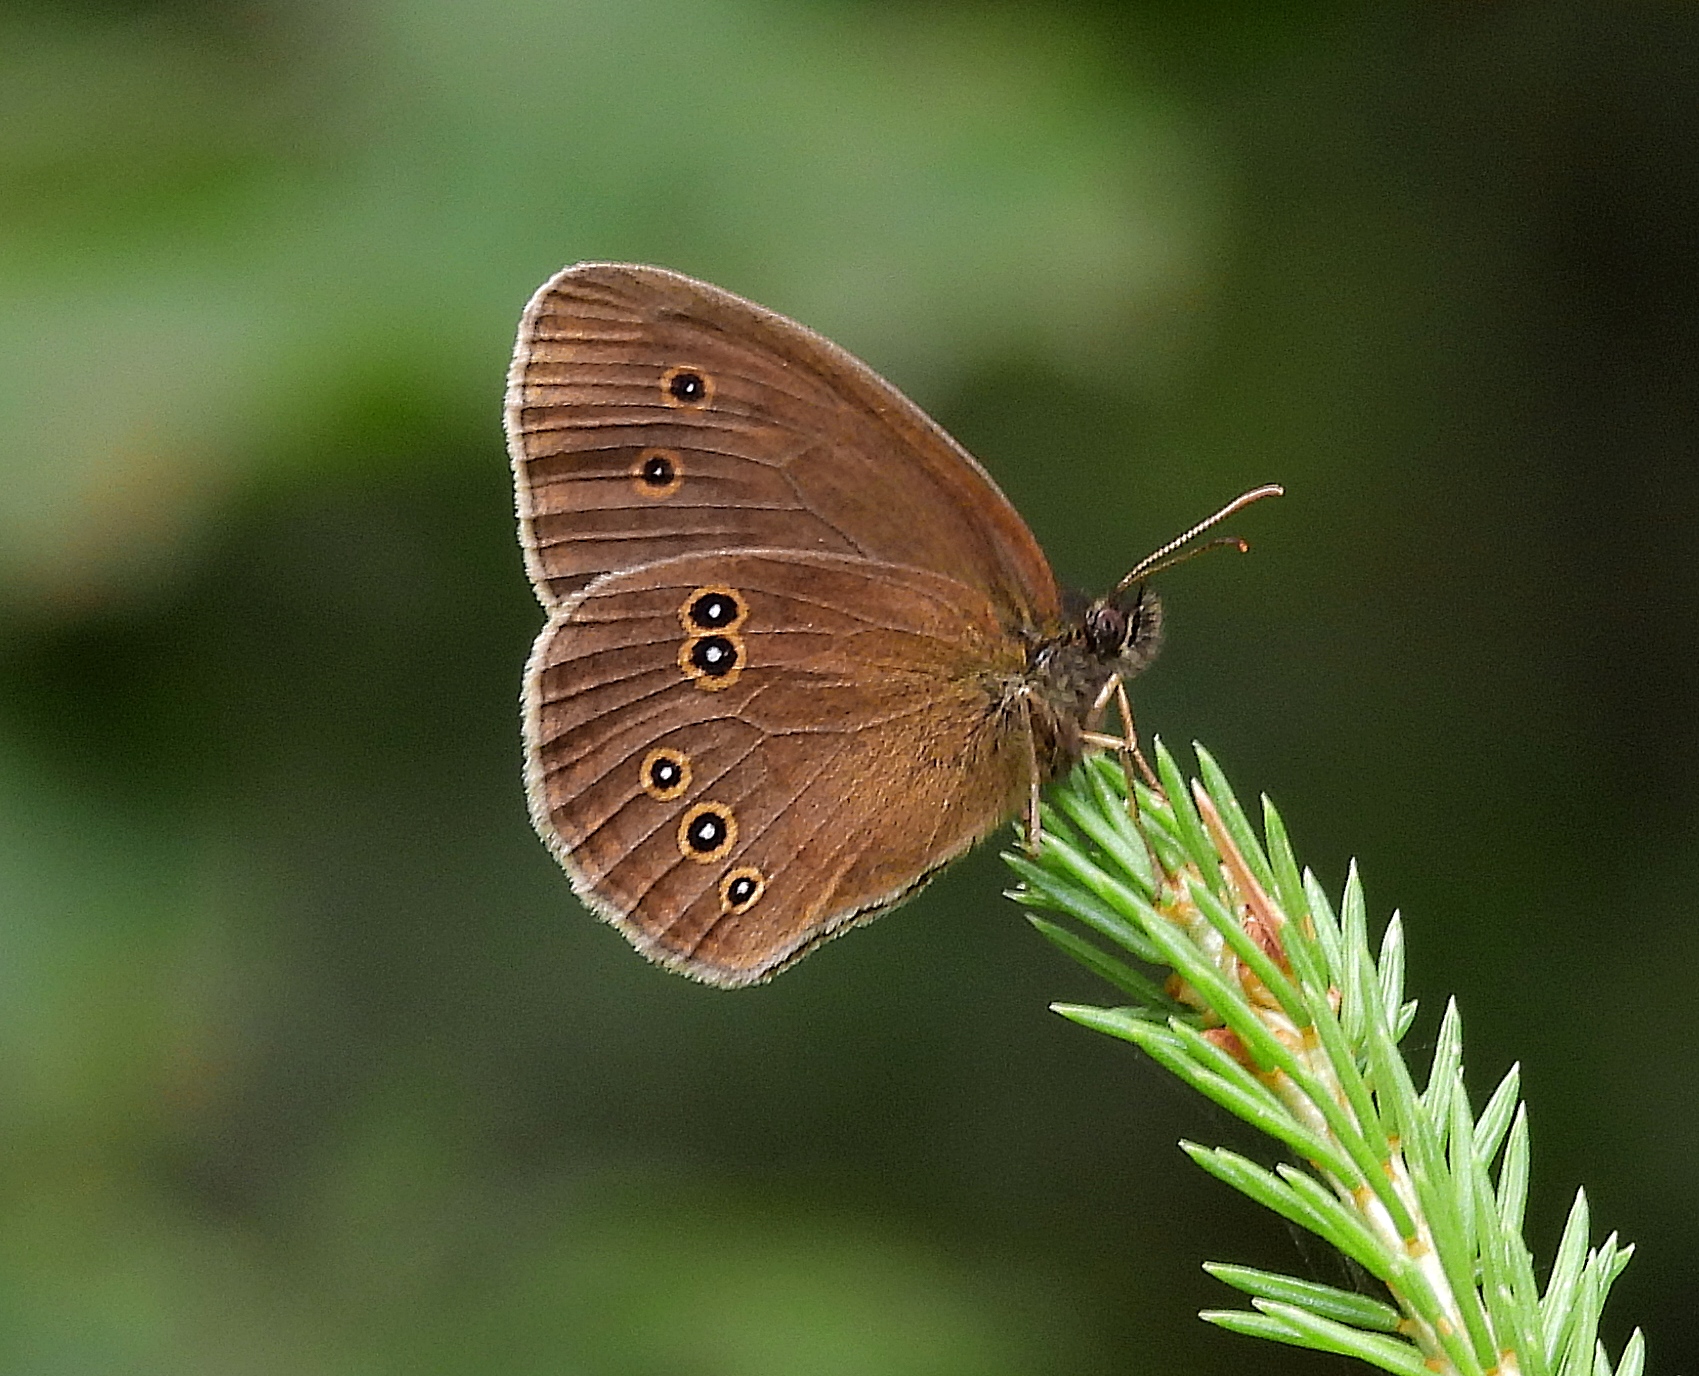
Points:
point(1112, 637)
point(1107, 641)
point(1119, 633)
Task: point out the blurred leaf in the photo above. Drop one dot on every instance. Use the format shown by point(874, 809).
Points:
point(234, 235)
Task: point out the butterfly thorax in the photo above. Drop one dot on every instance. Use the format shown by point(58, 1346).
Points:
point(1069, 670)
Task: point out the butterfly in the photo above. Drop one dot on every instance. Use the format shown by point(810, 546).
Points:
point(801, 652)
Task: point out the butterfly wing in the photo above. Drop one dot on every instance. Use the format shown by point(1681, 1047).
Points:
point(735, 756)
point(649, 415)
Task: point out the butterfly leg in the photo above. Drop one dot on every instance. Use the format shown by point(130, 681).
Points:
point(1100, 704)
point(1034, 838)
point(1126, 748)
point(1125, 708)
point(1126, 745)
point(1122, 745)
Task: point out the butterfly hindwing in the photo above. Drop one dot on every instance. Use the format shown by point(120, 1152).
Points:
point(736, 755)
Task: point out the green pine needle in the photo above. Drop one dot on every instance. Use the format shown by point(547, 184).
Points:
point(1251, 986)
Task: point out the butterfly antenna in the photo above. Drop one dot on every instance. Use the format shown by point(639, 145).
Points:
point(1156, 562)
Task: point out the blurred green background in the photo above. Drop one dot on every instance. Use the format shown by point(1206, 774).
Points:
point(309, 1063)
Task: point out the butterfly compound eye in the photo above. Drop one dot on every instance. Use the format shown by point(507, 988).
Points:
point(1106, 630)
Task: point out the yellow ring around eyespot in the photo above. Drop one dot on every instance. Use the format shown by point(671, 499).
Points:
point(746, 872)
point(699, 403)
point(719, 852)
point(711, 683)
point(674, 757)
point(656, 491)
point(713, 590)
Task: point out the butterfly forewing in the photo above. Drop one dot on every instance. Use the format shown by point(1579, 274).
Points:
point(650, 415)
point(736, 755)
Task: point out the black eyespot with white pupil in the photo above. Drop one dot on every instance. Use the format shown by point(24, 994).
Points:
point(740, 889)
point(666, 774)
point(706, 832)
point(688, 387)
point(658, 470)
point(714, 655)
point(713, 610)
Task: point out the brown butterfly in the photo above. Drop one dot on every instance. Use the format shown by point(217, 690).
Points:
point(801, 652)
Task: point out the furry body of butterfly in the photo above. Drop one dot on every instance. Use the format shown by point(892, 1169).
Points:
point(801, 652)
